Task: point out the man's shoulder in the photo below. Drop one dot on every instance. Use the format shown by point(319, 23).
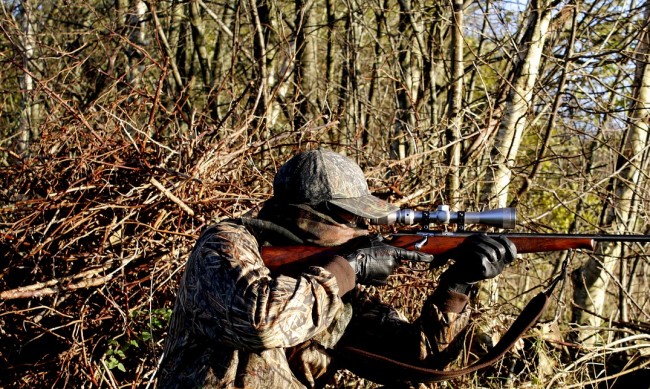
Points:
point(225, 240)
point(228, 230)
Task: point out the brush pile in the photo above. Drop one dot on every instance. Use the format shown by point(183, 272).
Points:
point(93, 237)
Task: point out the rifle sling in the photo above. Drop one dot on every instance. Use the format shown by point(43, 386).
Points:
point(385, 370)
point(268, 230)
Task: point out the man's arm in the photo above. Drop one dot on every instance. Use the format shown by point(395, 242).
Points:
point(229, 295)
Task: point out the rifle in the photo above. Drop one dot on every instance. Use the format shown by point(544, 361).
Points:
point(384, 369)
point(439, 242)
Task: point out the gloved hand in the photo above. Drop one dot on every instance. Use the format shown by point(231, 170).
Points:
point(479, 257)
point(373, 260)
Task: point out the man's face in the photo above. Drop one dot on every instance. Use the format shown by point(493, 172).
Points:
point(342, 216)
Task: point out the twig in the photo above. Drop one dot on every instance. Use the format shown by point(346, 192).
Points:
point(39, 290)
point(609, 348)
point(172, 197)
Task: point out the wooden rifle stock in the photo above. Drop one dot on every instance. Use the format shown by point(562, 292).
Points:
point(436, 243)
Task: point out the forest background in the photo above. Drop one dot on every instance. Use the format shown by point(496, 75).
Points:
point(128, 126)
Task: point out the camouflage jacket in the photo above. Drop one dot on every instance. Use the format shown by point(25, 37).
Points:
point(236, 325)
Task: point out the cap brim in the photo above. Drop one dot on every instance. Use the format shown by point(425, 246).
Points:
point(369, 207)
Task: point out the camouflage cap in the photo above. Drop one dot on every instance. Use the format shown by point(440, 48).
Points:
point(318, 176)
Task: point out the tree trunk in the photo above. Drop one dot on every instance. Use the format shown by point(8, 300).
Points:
point(306, 62)
point(170, 44)
point(30, 114)
point(138, 37)
point(471, 85)
point(551, 123)
point(198, 36)
point(592, 279)
point(455, 99)
point(348, 91)
point(259, 11)
point(404, 85)
point(222, 60)
point(435, 70)
point(380, 21)
point(514, 121)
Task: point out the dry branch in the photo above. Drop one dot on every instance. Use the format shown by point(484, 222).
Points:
point(171, 196)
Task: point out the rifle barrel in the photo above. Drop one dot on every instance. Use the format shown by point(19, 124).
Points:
point(525, 242)
point(523, 235)
point(622, 238)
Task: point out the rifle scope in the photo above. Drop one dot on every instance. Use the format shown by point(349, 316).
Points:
point(500, 218)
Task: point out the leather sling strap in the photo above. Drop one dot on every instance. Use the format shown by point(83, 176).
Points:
point(385, 370)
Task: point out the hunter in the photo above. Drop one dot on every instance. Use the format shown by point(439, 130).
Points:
point(236, 324)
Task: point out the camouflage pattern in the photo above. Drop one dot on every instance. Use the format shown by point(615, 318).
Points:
point(318, 176)
point(232, 321)
point(236, 325)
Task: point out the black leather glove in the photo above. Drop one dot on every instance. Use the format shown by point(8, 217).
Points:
point(373, 260)
point(479, 257)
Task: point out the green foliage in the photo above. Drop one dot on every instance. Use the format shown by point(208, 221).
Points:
point(151, 321)
point(116, 354)
point(144, 326)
